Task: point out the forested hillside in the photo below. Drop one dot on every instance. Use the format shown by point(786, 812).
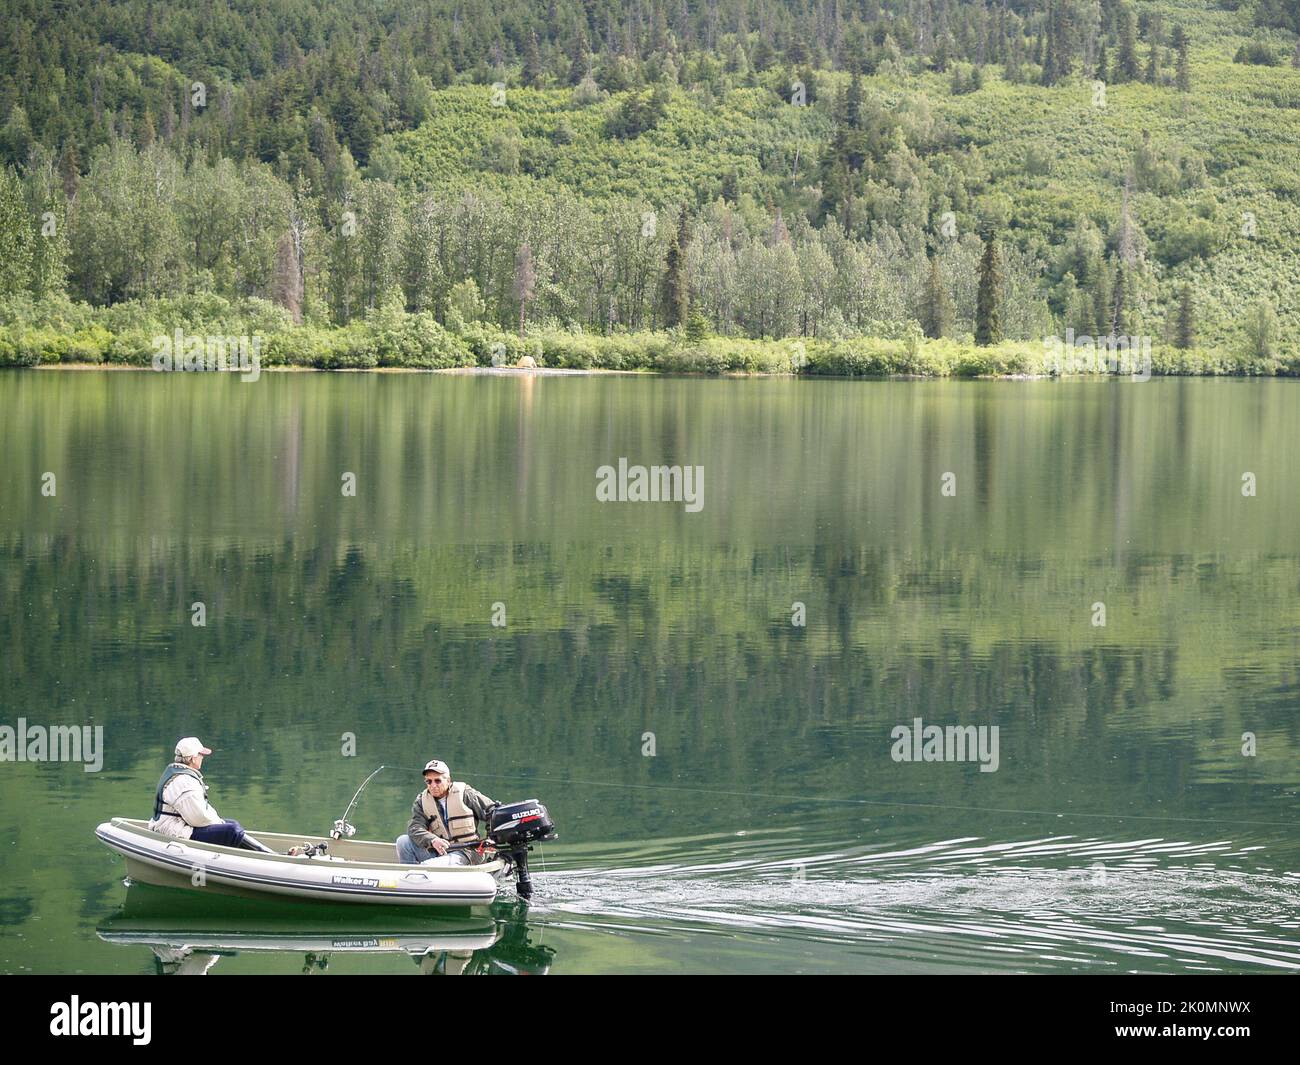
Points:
point(436, 183)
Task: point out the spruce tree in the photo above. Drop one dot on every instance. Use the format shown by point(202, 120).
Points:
point(1118, 309)
point(532, 72)
point(1126, 60)
point(730, 191)
point(1101, 300)
point(16, 235)
point(853, 103)
point(988, 311)
point(1051, 74)
point(1185, 321)
point(937, 314)
point(1183, 77)
point(676, 294)
point(579, 59)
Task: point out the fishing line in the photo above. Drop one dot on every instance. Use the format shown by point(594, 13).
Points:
point(881, 802)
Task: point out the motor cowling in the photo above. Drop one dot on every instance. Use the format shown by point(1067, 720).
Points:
point(515, 827)
point(520, 823)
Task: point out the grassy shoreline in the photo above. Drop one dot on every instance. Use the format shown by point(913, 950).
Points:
point(552, 371)
point(661, 354)
point(197, 328)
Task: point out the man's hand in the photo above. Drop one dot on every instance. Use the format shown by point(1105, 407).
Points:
point(440, 845)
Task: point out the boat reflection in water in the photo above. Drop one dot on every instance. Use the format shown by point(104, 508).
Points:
point(189, 936)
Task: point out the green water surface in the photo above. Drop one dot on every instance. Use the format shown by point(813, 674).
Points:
point(770, 830)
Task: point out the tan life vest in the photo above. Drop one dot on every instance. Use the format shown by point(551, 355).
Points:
point(462, 827)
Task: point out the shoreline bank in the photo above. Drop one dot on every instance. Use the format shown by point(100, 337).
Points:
point(199, 339)
point(558, 371)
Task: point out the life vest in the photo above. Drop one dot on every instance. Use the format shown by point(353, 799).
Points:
point(461, 826)
point(171, 772)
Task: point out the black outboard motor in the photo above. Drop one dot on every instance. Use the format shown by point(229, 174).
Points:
point(515, 827)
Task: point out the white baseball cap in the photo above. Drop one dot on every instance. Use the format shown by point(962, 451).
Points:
point(436, 766)
point(189, 747)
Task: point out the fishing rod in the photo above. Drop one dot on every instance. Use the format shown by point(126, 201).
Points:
point(342, 828)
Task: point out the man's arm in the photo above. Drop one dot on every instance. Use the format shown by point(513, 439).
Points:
point(479, 804)
point(191, 803)
point(420, 835)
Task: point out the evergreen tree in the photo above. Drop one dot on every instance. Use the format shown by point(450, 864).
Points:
point(1185, 321)
point(1051, 74)
point(532, 72)
point(1126, 60)
point(579, 58)
point(1118, 309)
point(988, 299)
point(697, 326)
point(937, 314)
point(853, 103)
point(1101, 300)
point(1183, 77)
point(15, 235)
point(676, 294)
point(730, 186)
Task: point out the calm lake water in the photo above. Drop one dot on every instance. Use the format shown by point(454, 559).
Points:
point(771, 830)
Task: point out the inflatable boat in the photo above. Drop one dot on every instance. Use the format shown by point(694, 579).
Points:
point(335, 868)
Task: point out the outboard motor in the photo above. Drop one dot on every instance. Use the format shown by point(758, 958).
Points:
point(514, 828)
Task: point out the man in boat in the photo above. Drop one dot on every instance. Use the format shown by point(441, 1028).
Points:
point(445, 813)
point(181, 806)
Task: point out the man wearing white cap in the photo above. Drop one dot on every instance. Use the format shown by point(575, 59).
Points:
point(444, 814)
point(181, 806)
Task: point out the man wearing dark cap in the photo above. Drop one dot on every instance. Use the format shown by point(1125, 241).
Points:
point(445, 813)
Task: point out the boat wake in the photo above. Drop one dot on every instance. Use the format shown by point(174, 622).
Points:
point(1092, 904)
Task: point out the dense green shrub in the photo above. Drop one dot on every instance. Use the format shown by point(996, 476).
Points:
point(490, 346)
point(349, 348)
point(44, 332)
point(133, 346)
point(418, 340)
point(1257, 53)
point(861, 357)
point(89, 345)
point(590, 351)
point(295, 347)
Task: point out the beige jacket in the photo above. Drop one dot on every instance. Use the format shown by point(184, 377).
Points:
point(420, 827)
point(187, 796)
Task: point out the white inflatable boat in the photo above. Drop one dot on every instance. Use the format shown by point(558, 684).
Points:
point(348, 870)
